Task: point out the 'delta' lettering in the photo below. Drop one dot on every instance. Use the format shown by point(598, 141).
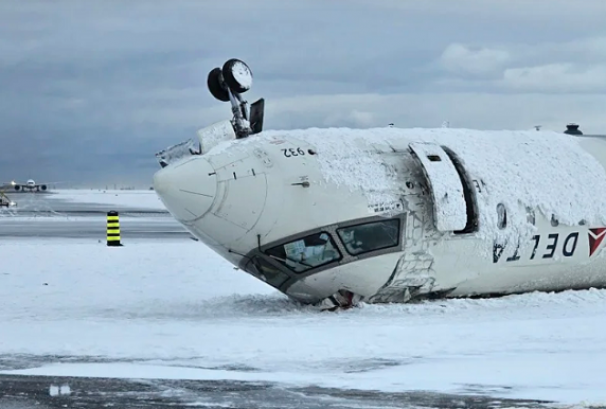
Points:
point(552, 246)
point(574, 237)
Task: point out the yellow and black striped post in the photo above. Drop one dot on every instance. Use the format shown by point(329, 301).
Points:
point(113, 229)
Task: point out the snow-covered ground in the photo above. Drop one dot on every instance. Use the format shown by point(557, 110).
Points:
point(131, 198)
point(177, 310)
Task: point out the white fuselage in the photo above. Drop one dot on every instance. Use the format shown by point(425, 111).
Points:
point(392, 214)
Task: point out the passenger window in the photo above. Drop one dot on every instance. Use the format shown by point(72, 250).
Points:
point(367, 237)
point(311, 251)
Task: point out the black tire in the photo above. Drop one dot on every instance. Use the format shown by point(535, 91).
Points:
point(217, 86)
point(237, 83)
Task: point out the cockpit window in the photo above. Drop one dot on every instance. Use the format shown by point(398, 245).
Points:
point(363, 238)
point(311, 251)
point(267, 272)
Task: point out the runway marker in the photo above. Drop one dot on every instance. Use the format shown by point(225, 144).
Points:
point(113, 229)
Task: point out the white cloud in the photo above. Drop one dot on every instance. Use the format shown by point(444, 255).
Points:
point(562, 12)
point(481, 110)
point(581, 50)
point(459, 58)
point(353, 118)
point(575, 66)
point(560, 77)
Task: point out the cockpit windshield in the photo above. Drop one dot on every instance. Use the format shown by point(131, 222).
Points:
point(267, 272)
point(363, 238)
point(308, 252)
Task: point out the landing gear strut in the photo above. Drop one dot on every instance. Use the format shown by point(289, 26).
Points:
point(226, 84)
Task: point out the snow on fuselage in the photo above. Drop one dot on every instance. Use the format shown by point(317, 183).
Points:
point(391, 214)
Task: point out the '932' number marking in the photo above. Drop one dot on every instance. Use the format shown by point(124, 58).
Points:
point(290, 152)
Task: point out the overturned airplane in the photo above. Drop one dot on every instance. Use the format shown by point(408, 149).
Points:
point(337, 216)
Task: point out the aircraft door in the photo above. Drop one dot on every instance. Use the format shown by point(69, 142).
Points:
point(447, 189)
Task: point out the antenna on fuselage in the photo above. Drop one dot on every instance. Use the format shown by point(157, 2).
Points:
point(226, 84)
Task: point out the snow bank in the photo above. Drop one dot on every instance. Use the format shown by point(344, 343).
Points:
point(141, 199)
point(160, 307)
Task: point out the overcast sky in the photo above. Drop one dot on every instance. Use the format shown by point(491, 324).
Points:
point(90, 90)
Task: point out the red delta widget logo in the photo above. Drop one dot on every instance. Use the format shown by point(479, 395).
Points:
point(595, 239)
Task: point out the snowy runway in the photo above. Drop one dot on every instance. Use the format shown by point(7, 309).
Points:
point(163, 310)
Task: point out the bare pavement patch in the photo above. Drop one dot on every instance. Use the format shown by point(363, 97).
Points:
point(19, 391)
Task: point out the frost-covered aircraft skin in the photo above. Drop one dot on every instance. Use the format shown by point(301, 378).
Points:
point(336, 216)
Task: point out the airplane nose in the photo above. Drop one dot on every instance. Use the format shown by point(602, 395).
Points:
point(187, 189)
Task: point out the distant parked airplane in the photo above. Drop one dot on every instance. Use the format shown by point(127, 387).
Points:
point(29, 185)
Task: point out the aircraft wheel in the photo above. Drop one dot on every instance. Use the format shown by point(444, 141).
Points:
point(237, 75)
point(217, 86)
